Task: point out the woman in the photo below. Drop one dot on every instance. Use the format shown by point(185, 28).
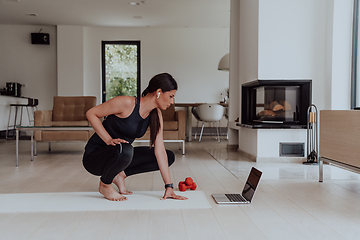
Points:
point(109, 153)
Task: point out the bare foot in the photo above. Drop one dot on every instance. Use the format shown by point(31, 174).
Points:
point(119, 181)
point(110, 193)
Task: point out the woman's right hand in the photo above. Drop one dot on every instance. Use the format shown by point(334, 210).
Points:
point(115, 141)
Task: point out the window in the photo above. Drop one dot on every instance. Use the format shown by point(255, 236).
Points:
point(120, 69)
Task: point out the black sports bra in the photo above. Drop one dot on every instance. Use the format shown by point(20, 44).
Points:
point(129, 128)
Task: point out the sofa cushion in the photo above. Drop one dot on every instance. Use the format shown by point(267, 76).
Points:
point(170, 126)
point(72, 108)
point(65, 135)
point(171, 135)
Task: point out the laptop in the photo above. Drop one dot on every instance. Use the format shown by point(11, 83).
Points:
point(247, 193)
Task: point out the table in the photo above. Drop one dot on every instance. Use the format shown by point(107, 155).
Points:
point(47, 128)
point(64, 128)
point(188, 125)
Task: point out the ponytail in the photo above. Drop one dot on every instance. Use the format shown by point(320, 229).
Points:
point(166, 83)
point(154, 125)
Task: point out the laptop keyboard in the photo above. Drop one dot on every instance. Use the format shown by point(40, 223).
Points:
point(235, 198)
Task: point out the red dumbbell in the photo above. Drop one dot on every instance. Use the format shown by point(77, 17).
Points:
point(188, 183)
point(180, 185)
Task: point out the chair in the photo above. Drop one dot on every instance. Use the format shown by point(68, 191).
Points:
point(194, 112)
point(67, 111)
point(32, 104)
point(211, 113)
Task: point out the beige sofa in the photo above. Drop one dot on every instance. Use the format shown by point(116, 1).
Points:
point(71, 111)
point(67, 111)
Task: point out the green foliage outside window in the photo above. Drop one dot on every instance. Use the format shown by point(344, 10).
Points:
point(121, 87)
point(121, 70)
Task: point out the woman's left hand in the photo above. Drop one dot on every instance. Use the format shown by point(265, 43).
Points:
point(169, 193)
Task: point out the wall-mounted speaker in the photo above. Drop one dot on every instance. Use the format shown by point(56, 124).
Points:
point(40, 38)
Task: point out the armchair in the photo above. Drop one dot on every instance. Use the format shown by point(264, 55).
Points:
point(174, 127)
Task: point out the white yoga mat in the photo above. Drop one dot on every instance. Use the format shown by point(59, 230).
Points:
point(94, 201)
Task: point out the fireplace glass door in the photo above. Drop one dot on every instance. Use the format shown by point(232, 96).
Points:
point(277, 104)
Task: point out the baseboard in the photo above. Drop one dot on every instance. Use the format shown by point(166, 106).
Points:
point(247, 155)
point(281, 159)
point(232, 146)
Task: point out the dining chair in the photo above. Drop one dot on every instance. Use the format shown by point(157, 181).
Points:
point(195, 113)
point(210, 113)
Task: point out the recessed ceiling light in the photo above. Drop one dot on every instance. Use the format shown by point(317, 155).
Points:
point(13, 0)
point(137, 3)
point(31, 14)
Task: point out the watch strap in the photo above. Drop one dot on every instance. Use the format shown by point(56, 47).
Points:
point(169, 185)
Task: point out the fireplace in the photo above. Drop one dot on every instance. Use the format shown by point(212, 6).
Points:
point(275, 103)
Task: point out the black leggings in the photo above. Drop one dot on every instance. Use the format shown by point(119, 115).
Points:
point(108, 161)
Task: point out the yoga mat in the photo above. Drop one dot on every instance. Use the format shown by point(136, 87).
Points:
point(94, 201)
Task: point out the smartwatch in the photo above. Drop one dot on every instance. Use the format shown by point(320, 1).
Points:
point(169, 185)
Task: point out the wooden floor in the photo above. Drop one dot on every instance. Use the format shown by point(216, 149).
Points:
point(290, 203)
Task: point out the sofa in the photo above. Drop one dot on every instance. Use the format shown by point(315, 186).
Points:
point(67, 111)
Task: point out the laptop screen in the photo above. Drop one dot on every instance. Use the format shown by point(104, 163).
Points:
point(251, 184)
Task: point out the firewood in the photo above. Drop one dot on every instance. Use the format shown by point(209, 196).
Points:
point(276, 106)
point(286, 104)
point(266, 113)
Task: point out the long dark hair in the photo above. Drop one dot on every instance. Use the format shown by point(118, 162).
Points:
point(166, 83)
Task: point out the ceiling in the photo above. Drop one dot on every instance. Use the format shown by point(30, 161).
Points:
point(118, 13)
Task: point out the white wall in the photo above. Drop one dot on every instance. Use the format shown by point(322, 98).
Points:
point(249, 41)
point(340, 55)
point(292, 42)
point(29, 64)
point(71, 64)
point(328, 53)
point(248, 64)
point(248, 141)
point(70, 61)
point(234, 85)
point(191, 55)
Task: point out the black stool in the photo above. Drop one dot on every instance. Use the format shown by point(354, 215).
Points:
point(31, 104)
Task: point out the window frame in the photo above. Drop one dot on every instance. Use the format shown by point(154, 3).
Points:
point(355, 81)
point(103, 67)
